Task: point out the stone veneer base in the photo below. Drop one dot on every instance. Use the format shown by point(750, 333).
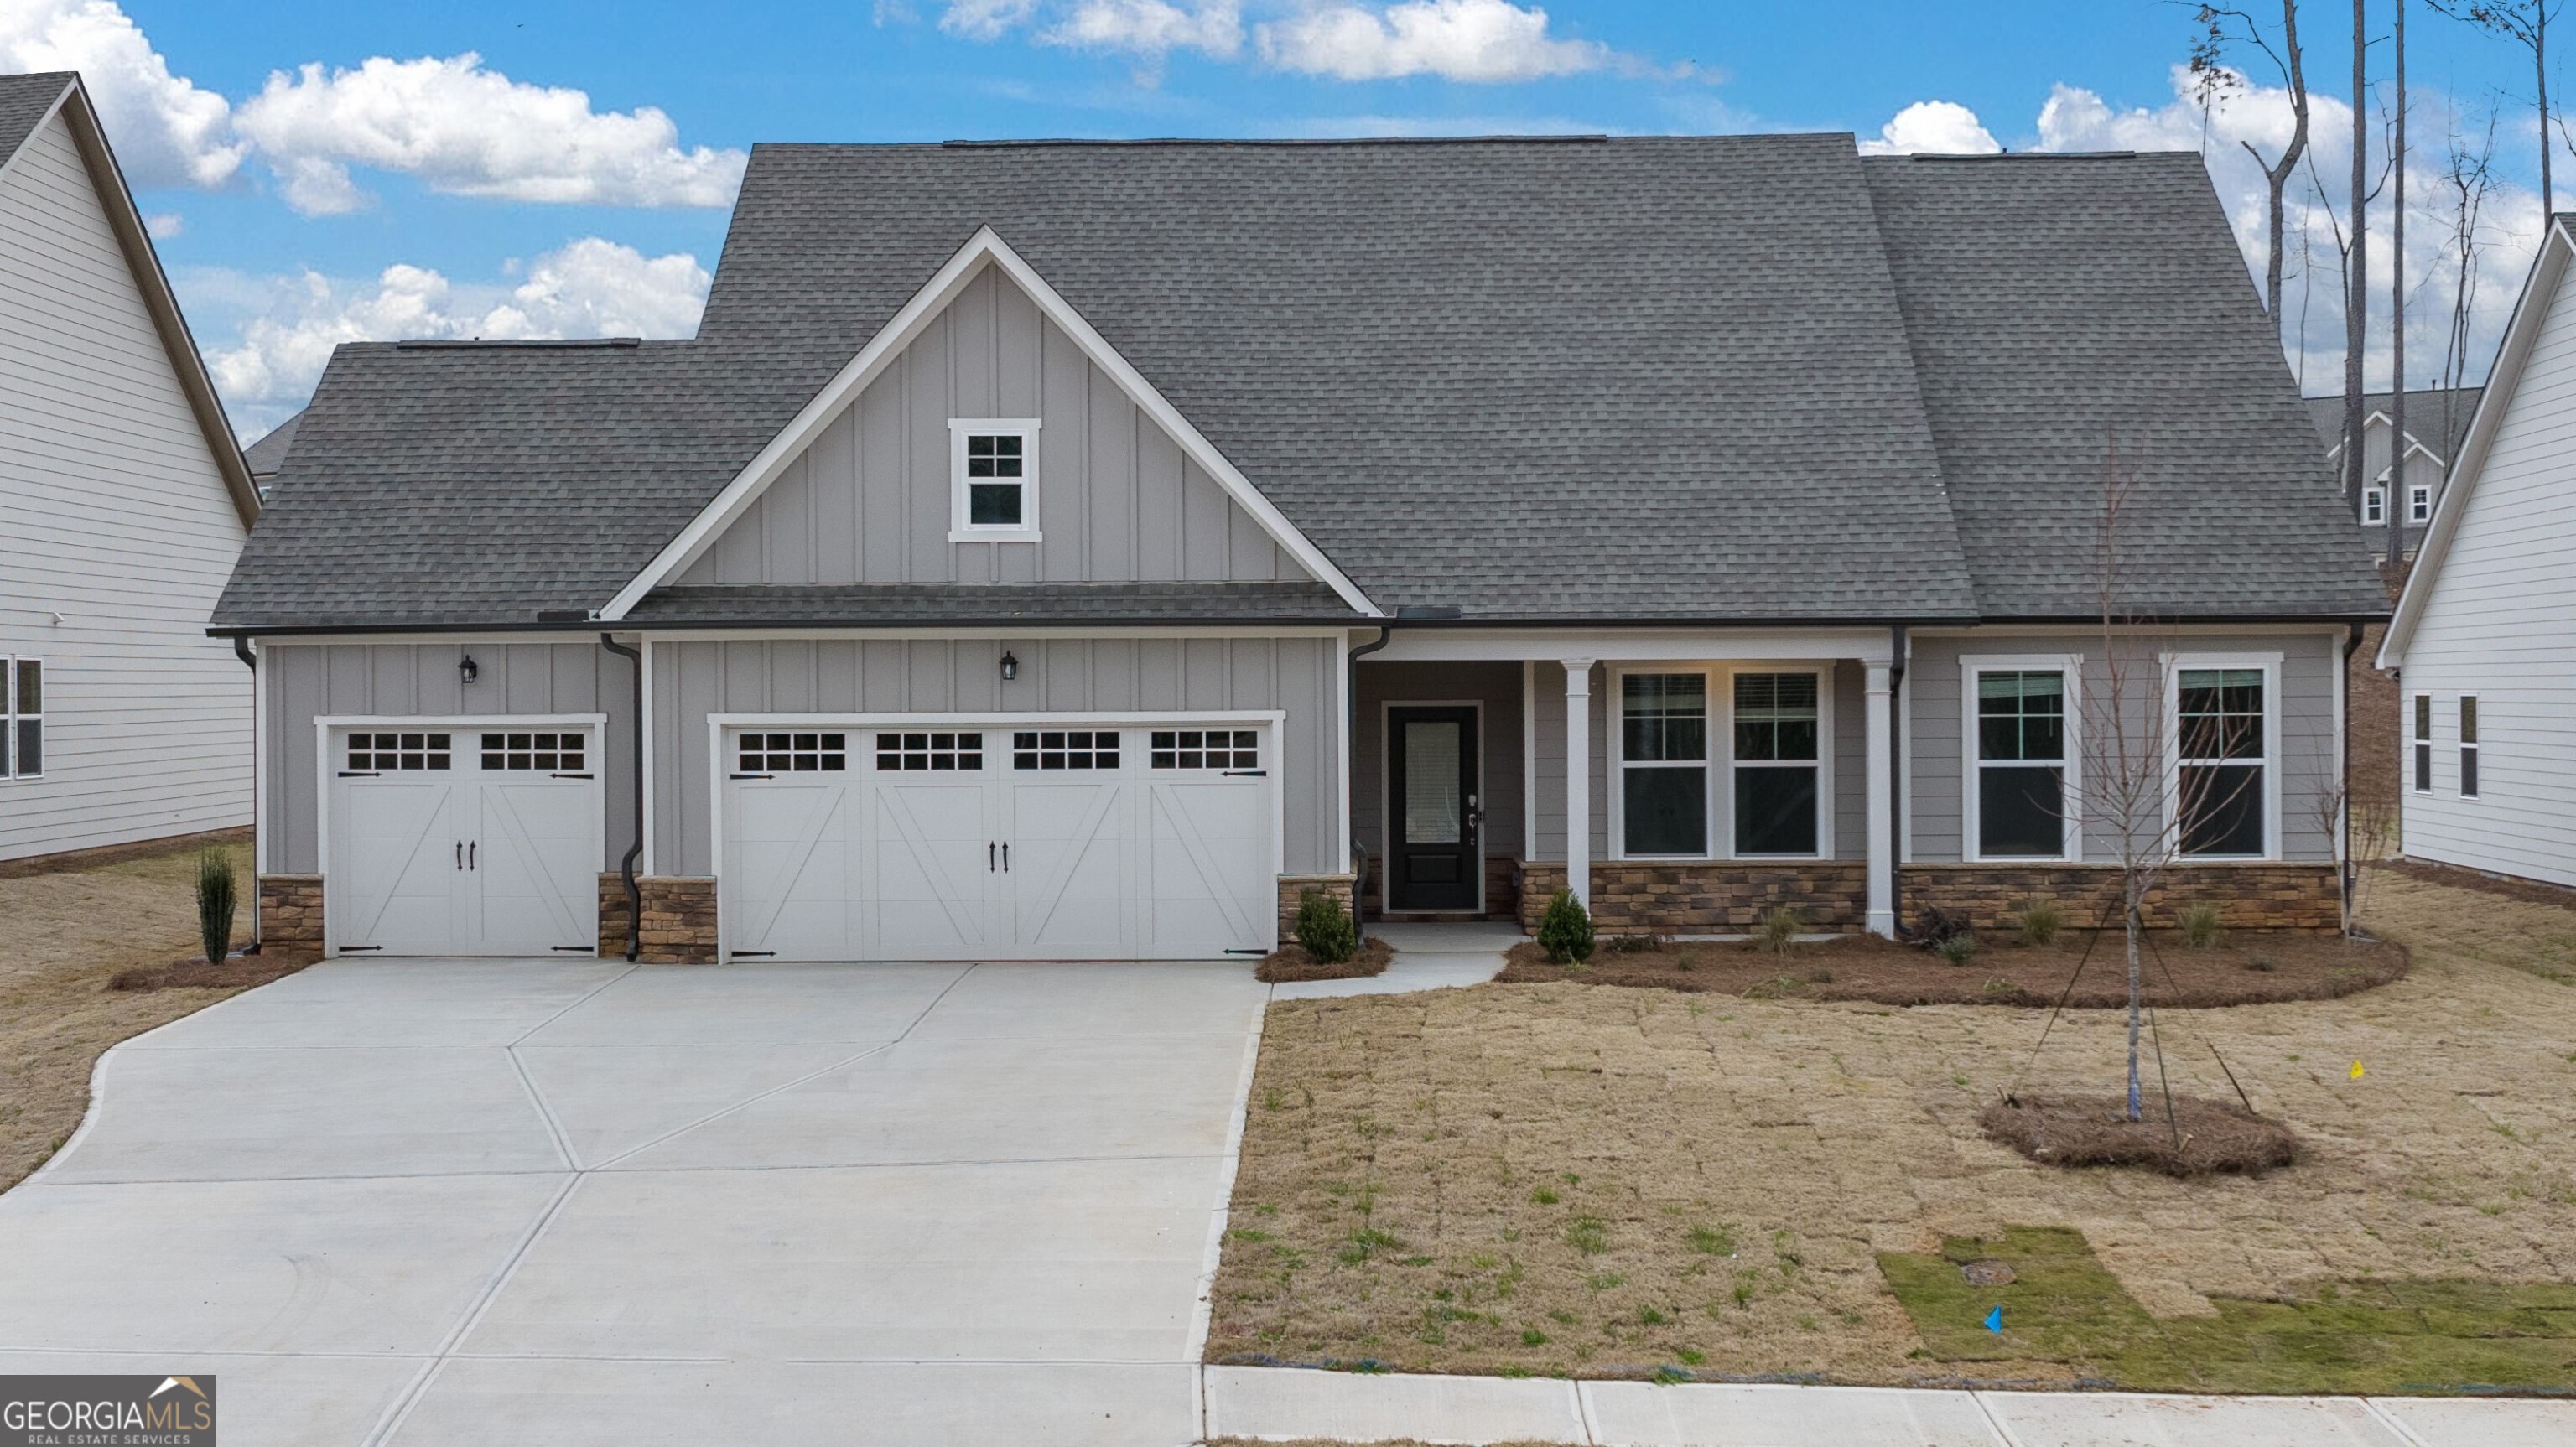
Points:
point(2249, 896)
point(1711, 896)
point(1292, 891)
point(679, 919)
point(290, 911)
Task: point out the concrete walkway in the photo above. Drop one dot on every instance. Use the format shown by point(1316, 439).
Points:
point(496, 1202)
point(1427, 957)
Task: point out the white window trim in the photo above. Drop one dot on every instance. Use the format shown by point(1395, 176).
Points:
point(2419, 737)
point(1615, 723)
point(2374, 506)
point(1825, 750)
point(2467, 749)
point(2071, 665)
point(2171, 703)
point(9, 716)
point(1026, 429)
point(2419, 502)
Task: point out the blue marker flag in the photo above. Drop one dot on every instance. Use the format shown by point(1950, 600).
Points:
point(1995, 1321)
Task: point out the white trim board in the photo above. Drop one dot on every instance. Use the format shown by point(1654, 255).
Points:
point(985, 249)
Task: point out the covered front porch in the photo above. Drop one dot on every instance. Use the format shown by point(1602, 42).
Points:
point(1677, 781)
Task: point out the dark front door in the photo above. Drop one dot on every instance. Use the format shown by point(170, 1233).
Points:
point(1434, 853)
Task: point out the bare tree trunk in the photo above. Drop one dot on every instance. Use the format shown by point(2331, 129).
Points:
point(2137, 989)
point(2540, 73)
point(2399, 494)
point(2357, 285)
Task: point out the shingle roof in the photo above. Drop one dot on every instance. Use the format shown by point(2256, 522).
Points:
point(2085, 325)
point(2424, 420)
point(268, 454)
point(25, 100)
point(1649, 378)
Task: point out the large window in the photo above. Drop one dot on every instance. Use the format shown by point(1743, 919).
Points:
point(1663, 763)
point(22, 718)
point(2021, 763)
point(2468, 746)
point(994, 466)
point(1777, 724)
point(2223, 745)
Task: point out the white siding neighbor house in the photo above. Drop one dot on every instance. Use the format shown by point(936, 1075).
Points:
point(123, 504)
point(2484, 642)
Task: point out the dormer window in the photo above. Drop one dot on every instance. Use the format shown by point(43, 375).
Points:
point(993, 466)
point(2374, 506)
point(2419, 503)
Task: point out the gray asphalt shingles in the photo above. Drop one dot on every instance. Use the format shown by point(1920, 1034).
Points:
point(25, 100)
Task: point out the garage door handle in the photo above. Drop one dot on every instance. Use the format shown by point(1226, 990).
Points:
point(1246, 774)
point(1006, 859)
point(989, 847)
point(460, 854)
point(470, 846)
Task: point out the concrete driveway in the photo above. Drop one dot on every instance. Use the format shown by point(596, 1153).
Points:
point(540, 1202)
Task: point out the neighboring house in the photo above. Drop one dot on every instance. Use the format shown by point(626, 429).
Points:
point(268, 454)
point(2436, 420)
point(123, 505)
point(2484, 641)
point(1076, 550)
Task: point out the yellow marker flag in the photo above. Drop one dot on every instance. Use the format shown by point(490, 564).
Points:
point(2357, 1070)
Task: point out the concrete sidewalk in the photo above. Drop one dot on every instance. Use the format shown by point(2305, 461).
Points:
point(1270, 1403)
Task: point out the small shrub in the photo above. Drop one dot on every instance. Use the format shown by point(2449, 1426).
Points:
point(1935, 927)
point(1565, 931)
point(1958, 949)
point(2040, 920)
point(2261, 963)
point(215, 903)
point(1780, 930)
point(2200, 926)
point(1325, 929)
point(1633, 944)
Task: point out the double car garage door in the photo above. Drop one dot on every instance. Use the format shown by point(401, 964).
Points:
point(1054, 838)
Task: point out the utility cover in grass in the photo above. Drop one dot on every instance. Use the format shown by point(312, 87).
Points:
point(2196, 1138)
point(2395, 1336)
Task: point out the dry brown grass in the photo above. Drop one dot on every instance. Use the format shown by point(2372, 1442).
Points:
point(72, 932)
point(1291, 962)
point(2183, 1136)
point(2245, 968)
point(1554, 1178)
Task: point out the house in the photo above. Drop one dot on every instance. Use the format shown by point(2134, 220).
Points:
point(1067, 550)
point(123, 504)
point(268, 454)
point(2437, 418)
point(2484, 639)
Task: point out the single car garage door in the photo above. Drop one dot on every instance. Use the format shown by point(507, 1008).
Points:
point(1031, 839)
point(462, 839)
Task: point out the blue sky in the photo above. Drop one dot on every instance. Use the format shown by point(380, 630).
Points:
point(433, 171)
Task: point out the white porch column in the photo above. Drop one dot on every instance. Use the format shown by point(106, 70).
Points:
point(1578, 778)
point(1877, 695)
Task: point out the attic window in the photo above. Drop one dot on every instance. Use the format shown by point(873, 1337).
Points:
point(994, 477)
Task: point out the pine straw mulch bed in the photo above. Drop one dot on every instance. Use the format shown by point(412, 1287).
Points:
point(1290, 962)
point(2242, 969)
point(2187, 1136)
point(237, 972)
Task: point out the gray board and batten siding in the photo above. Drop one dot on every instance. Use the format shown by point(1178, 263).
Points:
point(1299, 676)
point(1494, 686)
point(1850, 819)
point(2306, 752)
point(868, 501)
point(307, 681)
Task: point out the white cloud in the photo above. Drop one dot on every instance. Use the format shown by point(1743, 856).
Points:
point(289, 325)
point(981, 19)
point(1463, 40)
point(1936, 126)
point(2075, 119)
point(163, 225)
point(474, 132)
point(1151, 28)
point(165, 129)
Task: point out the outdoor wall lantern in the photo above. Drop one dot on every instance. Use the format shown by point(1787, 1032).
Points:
point(1010, 666)
point(467, 670)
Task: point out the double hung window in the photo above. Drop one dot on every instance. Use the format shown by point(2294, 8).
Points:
point(2419, 503)
point(2423, 743)
point(2374, 506)
point(2468, 746)
point(994, 477)
point(1663, 763)
point(22, 718)
point(2223, 742)
point(2021, 763)
point(1777, 727)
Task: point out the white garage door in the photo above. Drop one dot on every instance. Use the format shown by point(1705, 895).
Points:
point(463, 840)
point(1024, 839)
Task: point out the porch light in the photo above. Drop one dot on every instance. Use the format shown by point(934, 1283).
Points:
point(1010, 666)
point(467, 670)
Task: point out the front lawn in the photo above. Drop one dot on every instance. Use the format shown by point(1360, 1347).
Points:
point(1562, 1179)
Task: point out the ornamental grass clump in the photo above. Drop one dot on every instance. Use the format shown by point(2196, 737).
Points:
point(2200, 926)
point(1565, 931)
point(215, 903)
point(2040, 921)
point(1325, 929)
point(1958, 949)
point(1780, 930)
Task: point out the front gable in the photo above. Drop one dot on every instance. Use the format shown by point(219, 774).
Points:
point(861, 488)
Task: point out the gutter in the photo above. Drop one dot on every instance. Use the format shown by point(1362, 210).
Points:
point(250, 660)
point(626, 866)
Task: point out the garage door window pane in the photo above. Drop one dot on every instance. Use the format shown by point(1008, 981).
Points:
point(545, 752)
point(1206, 749)
point(795, 753)
point(1069, 749)
point(379, 752)
point(929, 752)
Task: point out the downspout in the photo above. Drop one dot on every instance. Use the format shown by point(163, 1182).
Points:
point(250, 660)
point(1897, 646)
point(634, 891)
point(1350, 726)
